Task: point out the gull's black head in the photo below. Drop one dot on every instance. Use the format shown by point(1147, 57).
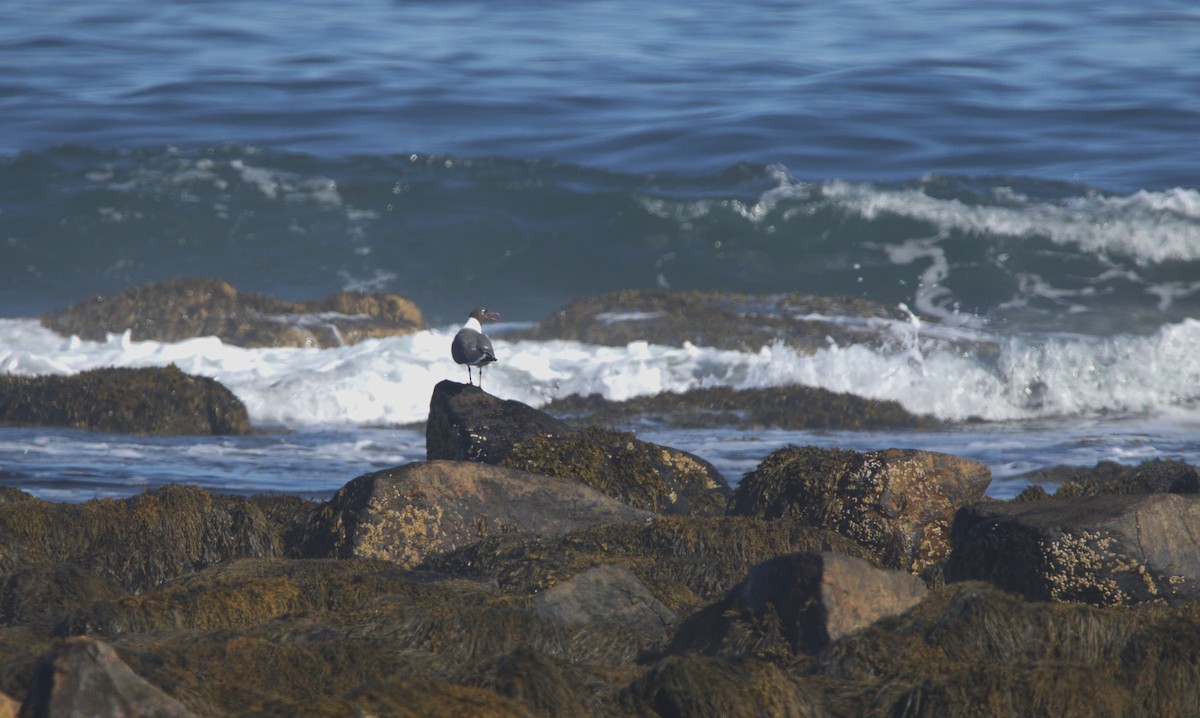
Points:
point(483, 314)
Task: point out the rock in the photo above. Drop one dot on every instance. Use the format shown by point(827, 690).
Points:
point(178, 309)
point(897, 502)
point(550, 687)
point(798, 603)
point(607, 593)
point(9, 706)
point(692, 685)
point(720, 319)
point(41, 594)
point(1105, 550)
point(972, 649)
point(128, 401)
point(84, 677)
point(411, 512)
point(784, 407)
point(137, 542)
point(1109, 477)
point(685, 561)
point(466, 423)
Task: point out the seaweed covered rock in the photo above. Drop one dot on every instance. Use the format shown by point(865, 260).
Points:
point(897, 502)
point(85, 677)
point(549, 686)
point(1105, 550)
point(183, 308)
point(686, 561)
point(1109, 477)
point(39, 595)
point(410, 512)
point(720, 319)
point(138, 542)
point(129, 401)
point(607, 593)
point(783, 407)
point(693, 685)
point(466, 423)
point(973, 649)
point(240, 593)
point(798, 603)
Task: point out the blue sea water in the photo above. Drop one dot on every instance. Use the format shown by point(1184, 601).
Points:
point(1019, 171)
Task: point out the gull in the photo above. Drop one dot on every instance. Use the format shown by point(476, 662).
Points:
point(471, 346)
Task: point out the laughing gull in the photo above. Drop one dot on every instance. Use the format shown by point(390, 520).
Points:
point(470, 346)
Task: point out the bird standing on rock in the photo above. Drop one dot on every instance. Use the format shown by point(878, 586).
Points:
point(471, 346)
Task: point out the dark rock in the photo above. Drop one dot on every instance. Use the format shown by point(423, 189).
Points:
point(138, 542)
point(466, 423)
point(798, 603)
point(899, 503)
point(85, 677)
point(129, 401)
point(183, 308)
point(719, 319)
point(785, 407)
point(414, 511)
point(1105, 550)
point(692, 685)
point(607, 594)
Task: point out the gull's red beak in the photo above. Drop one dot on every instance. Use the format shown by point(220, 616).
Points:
point(492, 316)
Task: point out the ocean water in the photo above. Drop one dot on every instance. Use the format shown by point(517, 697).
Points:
point(1020, 176)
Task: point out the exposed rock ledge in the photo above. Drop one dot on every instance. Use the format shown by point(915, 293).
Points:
point(183, 308)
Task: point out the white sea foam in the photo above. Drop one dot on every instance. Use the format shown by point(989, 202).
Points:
point(389, 381)
point(1150, 227)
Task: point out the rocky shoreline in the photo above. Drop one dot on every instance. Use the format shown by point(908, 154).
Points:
point(545, 563)
point(829, 583)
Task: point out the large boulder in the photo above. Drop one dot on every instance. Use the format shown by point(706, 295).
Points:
point(414, 511)
point(177, 309)
point(128, 401)
point(467, 423)
point(798, 603)
point(897, 502)
point(1105, 550)
point(85, 677)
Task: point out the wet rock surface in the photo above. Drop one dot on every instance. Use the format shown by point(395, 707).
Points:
point(131, 401)
point(183, 308)
point(467, 423)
